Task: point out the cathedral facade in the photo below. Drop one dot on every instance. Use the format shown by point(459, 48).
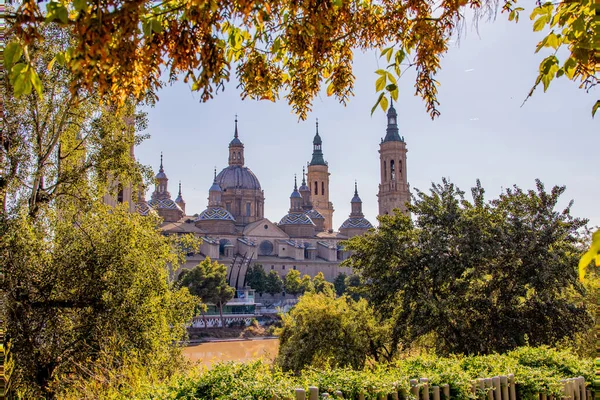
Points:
point(234, 230)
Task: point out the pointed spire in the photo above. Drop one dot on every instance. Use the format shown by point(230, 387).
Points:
point(295, 183)
point(161, 169)
point(179, 195)
point(317, 126)
point(235, 135)
point(303, 177)
point(355, 188)
point(317, 156)
point(215, 179)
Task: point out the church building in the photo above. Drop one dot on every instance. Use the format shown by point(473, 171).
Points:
point(235, 231)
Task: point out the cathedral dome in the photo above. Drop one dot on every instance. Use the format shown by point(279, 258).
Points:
point(296, 219)
point(314, 214)
point(356, 222)
point(215, 213)
point(164, 204)
point(237, 177)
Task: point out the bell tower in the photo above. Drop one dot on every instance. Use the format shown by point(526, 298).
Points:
point(393, 189)
point(318, 182)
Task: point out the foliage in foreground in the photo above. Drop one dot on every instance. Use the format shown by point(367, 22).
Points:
point(535, 369)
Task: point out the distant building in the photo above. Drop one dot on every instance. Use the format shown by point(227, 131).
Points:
point(235, 231)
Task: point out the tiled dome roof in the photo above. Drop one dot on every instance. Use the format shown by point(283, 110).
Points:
point(236, 176)
point(296, 219)
point(314, 214)
point(144, 209)
point(356, 222)
point(167, 204)
point(215, 213)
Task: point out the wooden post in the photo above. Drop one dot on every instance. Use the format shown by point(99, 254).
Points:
point(582, 388)
point(425, 383)
point(361, 396)
point(313, 393)
point(575, 388)
point(488, 388)
point(395, 393)
point(512, 390)
point(436, 392)
point(504, 387)
point(403, 395)
point(543, 395)
point(339, 394)
point(446, 391)
point(481, 388)
point(497, 392)
point(414, 388)
point(300, 394)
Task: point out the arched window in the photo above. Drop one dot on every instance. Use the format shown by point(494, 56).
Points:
point(239, 155)
point(384, 171)
point(316, 188)
point(400, 167)
point(322, 187)
point(392, 170)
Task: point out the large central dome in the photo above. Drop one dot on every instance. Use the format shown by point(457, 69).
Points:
point(237, 177)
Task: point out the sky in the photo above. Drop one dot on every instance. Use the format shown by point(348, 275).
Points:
point(483, 131)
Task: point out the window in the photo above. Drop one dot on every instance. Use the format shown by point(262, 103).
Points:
point(316, 188)
point(392, 170)
point(400, 167)
point(120, 194)
point(239, 155)
point(384, 171)
point(272, 267)
point(283, 267)
point(322, 187)
point(228, 206)
point(248, 205)
point(294, 267)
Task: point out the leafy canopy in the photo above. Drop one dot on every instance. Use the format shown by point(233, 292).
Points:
point(476, 276)
point(273, 47)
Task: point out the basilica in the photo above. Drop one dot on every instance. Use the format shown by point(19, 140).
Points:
point(234, 230)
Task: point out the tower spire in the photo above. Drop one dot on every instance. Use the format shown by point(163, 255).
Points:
point(355, 188)
point(295, 183)
point(161, 169)
point(317, 126)
point(303, 177)
point(179, 189)
point(235, 134)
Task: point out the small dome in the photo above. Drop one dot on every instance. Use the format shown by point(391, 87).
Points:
point(215, 187)
point(236, 176)
point(356, 222)
point(161, 175)
point(296, 219)
point(295, 195)
point(304, 188)
point(215, 213)
point(356, 199)
point(314, 214)
point(235, 142)
point(165, 204)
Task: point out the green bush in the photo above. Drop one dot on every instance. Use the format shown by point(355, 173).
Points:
point(535, 369)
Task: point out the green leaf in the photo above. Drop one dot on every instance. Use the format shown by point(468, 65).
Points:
point(560, 72)
point(552, 41)
point(384, 104)
point(156, 26)
point(595, 108)
point(80, 5)
point(62, 13)
point(391, 87)
point(15, 72)
point(330, 89)
point(37, 83)
point(400, 55)
point(380, 83)
point(539, 24)
point(19, 81)
point(390, 77)
point(12, 54)
point(569, 67)
point(381, 72)
point(147, 28)
point(377, 103)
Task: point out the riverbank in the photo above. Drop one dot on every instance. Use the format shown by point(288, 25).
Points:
point(210, 352)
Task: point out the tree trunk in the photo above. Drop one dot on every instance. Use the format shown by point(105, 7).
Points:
point(221, 313)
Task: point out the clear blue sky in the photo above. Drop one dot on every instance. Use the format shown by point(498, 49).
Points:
point(483, 132)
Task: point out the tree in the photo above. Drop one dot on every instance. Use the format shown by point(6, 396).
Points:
point(256, 278)
point(321, 285)
point(208, 282)
point(306, 285)
point(88, 288)
point(321, 329)
point(292, 283)
point(274, 283)
point(339, 283)
point(354, 286)
point(272, 47)
point(477, 276)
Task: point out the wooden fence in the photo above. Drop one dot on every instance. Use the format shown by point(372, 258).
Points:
point(496, 388)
